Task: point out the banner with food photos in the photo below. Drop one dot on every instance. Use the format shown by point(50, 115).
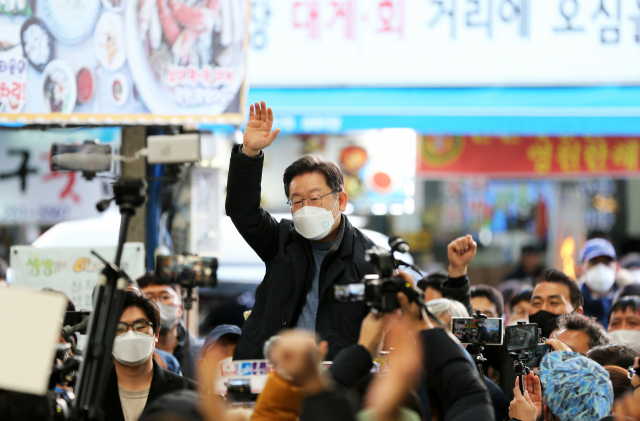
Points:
point(123, 61)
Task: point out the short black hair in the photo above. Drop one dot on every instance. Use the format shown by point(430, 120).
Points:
point(70, 305)
point(594, 330)
point(433, 280)
point(314, 163)
point(631, 302)
point(558, 277)
point(626, 291)
point(523, 294)
point(617, 354)
point(149, 278)
point(148, 307)
point(530, 249)
point(491, 294)
point(619, 380)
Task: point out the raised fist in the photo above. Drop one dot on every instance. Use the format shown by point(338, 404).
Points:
point(258, 134)
point(461, 252)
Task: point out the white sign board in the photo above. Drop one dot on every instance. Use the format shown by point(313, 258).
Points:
point(30, 193)
point(30, 325)
point(444, 42)
point(72, 270)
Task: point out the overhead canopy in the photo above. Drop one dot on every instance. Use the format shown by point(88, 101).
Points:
point(498, 111)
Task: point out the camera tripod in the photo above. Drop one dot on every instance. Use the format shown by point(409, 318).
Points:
point(107, 308)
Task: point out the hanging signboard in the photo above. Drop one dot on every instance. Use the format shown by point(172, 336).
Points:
point(30, 193)
point(422, 43)
point(528, 156)
point(72, 270)
point(122, 62)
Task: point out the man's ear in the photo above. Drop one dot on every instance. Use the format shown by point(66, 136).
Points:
point(580, 310)
point(180, 311)
point(343, 198)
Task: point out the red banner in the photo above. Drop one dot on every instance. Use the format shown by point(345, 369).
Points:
point(528, 156)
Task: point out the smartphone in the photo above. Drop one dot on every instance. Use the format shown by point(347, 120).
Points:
point(185, 269)
point(522, 337)
point(478, 331)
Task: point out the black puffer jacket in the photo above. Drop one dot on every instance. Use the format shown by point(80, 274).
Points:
point(289, 261)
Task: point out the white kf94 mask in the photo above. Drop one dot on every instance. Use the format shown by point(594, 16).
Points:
point(314, 223)
point(132, 348)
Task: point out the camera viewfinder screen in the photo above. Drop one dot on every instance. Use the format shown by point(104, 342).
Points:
point(522, 337)
point(477, 331)
point(349, 293)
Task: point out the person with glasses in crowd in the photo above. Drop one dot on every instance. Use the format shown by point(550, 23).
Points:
point(304, 256)
point(173, 332)
point(135, 379)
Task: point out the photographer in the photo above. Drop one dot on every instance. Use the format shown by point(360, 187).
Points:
point(136, 379)
point(305, 257)
point(452, 382)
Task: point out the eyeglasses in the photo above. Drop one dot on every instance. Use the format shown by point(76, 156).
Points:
point(313, 200)
point(164, 298)
point(140, 326)
point(631, 372)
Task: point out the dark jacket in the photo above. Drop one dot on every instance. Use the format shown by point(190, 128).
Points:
point(195, 348)
point(163, 382)
point(289, 263)
point(452, 382)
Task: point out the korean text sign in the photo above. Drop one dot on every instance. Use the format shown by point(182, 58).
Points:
point(72, 270)
point(445, 42)
point(528, 156)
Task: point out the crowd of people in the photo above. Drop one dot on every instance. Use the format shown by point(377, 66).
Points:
point(339, 361)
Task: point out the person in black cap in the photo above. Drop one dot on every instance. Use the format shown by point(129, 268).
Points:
point(220, 344)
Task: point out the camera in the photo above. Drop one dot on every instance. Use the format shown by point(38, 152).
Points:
point(523, 344)
point(478, 331)
point(239, 391)
point(380, 291)
point(188, 271)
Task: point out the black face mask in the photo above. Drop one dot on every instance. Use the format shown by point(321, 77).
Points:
point(546, 321)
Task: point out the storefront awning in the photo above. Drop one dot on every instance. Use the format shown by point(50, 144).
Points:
point(497, 111)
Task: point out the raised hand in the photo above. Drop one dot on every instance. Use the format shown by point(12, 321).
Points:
point(461, 252)
point(533, 389)
point(258, 134)
point(522, 407)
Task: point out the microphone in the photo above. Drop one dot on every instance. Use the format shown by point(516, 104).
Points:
point(399, 244)
point(79, 161)
point(88, 157)
point(81, 327)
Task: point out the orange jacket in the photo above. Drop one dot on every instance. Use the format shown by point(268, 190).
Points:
point(279, 400)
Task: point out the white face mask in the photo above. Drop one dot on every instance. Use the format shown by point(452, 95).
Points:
point(168, 316)
point(625, 336)
point(314, 223)
point(132, 348)
point(635, 275)
point(600, 278)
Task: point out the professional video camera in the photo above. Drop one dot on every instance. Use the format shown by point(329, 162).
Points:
point(380, 291)
point(523, 344)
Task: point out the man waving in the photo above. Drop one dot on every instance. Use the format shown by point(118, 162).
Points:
point(304, 257)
